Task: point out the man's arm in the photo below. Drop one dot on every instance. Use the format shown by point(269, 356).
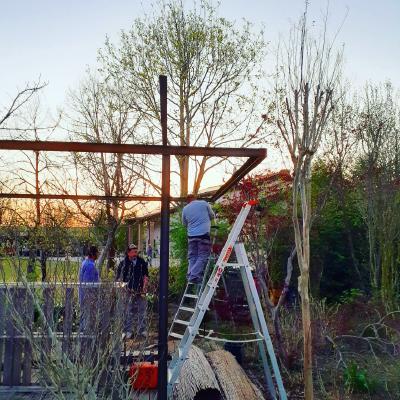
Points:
point(210, 212)
point(96, 275)
point(184, 220)
point(82, 274)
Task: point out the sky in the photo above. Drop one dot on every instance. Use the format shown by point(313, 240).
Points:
point(58, 40)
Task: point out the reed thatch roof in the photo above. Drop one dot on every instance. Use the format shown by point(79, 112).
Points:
point(215, 375)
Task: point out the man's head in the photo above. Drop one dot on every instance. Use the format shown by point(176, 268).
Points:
point(190, 198)
point(132, 251)
point(93, 252)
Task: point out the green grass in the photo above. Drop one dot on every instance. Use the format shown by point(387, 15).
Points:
point(11, 269)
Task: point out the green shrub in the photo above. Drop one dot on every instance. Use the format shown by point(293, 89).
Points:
point(350, 296)
point(356, 379)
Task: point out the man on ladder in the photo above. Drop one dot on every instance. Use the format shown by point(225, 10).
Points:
point(197, 216)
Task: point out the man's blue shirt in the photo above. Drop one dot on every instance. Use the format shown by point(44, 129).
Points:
point(88, 273)
point(197, 216)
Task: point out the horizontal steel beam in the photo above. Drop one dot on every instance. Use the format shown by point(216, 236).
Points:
point(79, 197)
point(130, 148)
point(250, 164)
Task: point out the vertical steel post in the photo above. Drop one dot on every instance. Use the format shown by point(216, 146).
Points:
point(164, 253)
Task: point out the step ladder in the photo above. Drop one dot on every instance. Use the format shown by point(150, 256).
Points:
point(190, 316)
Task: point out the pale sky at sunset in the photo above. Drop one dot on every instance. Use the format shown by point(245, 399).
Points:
point(58, 40)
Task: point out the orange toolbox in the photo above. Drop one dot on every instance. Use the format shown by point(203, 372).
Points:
point(144, 375)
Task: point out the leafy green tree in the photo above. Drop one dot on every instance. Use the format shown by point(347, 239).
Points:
point(212, 67)
point(338, 262)
point(379, 193)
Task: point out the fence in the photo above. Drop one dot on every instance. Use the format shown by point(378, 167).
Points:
point(45, 320)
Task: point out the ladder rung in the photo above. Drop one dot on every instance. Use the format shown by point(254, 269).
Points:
point(176, 335)
point(187, 309)
point(181, 322)
point(192, 296)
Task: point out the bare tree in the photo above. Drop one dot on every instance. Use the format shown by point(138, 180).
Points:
point(20, 99)
point(31, 176)
point(307, 74)
point(100, 115)
point(212, 68)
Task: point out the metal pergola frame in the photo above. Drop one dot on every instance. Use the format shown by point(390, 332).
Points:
point(255, 156)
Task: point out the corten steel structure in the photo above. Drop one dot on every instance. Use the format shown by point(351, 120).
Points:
point(255, 156)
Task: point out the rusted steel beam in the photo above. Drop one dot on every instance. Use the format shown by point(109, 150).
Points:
point(130, 148)
point(250, 164)
point(78, 197)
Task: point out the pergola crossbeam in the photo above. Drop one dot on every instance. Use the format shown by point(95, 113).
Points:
point(82, 147)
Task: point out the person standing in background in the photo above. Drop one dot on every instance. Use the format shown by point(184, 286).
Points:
point(133, 270)
point(88, 274)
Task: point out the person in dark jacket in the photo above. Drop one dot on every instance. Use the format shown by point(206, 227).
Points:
point(134, 272)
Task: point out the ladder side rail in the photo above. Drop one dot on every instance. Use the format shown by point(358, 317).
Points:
point(256, 323)
point(264, 328)
point(233, 234)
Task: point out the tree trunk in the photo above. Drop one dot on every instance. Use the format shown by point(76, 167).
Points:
point(305, 188)
point(306, 319)
point(302, 184)
point(184, 176)
point(43, 264)
point(31, 262)
point(200, 175)
point(110, 256)
point(183, 160)
point(37, 223)
point(282, 353)
point(106, 249)
point(356, 264)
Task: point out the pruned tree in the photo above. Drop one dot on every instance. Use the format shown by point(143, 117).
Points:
point(308, 72)
point(212, 68)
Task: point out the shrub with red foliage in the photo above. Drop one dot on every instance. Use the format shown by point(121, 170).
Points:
point(272, 190)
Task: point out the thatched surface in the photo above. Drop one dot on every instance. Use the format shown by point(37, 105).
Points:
point(233, 382)
point(196, 375)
